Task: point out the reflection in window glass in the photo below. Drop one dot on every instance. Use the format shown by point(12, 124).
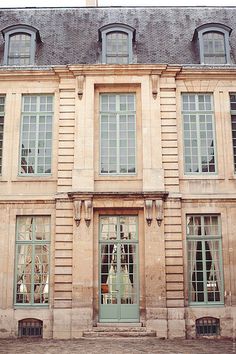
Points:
point(205, 274)
point(19, 49)
point(214, 48)
point(32, 260)
point(117, 46)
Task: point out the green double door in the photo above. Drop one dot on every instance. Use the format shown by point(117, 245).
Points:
point(118, 275)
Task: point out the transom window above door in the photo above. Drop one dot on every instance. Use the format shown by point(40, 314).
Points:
point(118, 133)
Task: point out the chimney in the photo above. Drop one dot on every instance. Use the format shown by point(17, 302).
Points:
point(91, 3)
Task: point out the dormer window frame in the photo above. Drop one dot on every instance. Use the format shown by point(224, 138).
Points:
point(117, 28)
point(11, 31)
point(213, 28)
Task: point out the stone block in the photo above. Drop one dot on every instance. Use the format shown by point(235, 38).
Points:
point(176, 314)
point(62, 324)
point(176, 329)
point(159, 326)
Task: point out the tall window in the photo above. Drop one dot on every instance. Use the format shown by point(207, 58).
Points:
point(117, 42)
point(32, 260)
point(36, 135)
point(205, 274)
point(20, 45)
point(118, 134)
point(233, 122)
point(2, 109)
point(199, 133)
point(213, 39)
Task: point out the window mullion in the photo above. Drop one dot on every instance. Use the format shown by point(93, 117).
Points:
point(32, 263)
point(118, 133)
point(204, 270)
point(198, 143)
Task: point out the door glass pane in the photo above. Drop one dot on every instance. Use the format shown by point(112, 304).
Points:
point(118, 260)
point(108, 275)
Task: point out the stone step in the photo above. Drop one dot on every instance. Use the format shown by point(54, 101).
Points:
point(130, 332)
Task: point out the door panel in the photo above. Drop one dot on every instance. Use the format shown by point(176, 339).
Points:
point(119, 269)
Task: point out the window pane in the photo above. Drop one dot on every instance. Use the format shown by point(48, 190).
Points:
point(117, 134)
point(117, 48)
point(19, 49)
point(199, 135)
point(233, 125)
point(204, 259)
point(36, 135)
point(214, 48)
point(2, 108)
point(32, 260)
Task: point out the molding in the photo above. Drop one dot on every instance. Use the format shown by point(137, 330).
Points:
point(76, 195)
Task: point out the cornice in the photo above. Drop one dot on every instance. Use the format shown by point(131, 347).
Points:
point(118, 195)
point(203, 72)
point(35, 73)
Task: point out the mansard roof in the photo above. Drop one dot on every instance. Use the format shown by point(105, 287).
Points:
point(163, 34)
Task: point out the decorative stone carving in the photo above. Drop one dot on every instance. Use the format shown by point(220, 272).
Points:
point(80, 79)
point(77, 211)
point(154, 86)
point(88, 211)
point(148, 211)
point(159, 211)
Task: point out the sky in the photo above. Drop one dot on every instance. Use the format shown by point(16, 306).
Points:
point(66, 3)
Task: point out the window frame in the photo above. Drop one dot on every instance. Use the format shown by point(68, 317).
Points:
point(32, 243)
point(2, 114)
point(203, 239)
point(233, 113)
point(117, 113)
point(117, 28)
point(198, 113)
point(37, 114)
point(213, 28)
point(20, 29)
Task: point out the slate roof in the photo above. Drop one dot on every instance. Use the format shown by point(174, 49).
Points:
point(163, 34)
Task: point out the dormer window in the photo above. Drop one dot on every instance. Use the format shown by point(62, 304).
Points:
point(213, 43)
point(117, 42)
point(20, 45)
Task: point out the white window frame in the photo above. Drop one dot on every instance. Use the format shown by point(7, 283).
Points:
point(197, 113)
point(37, 114)
point(117, 114)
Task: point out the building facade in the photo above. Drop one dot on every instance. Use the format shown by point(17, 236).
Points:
point(118, 201)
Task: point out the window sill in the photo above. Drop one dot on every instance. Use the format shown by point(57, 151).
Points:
point(34, 179)
point(33, 306)
point(203, 305)
point(202, 177)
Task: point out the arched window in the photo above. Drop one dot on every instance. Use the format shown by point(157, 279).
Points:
point(117, 42)
point(213, 43)
point(20, 44)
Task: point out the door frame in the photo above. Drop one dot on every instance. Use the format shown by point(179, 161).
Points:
point(118, 241)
